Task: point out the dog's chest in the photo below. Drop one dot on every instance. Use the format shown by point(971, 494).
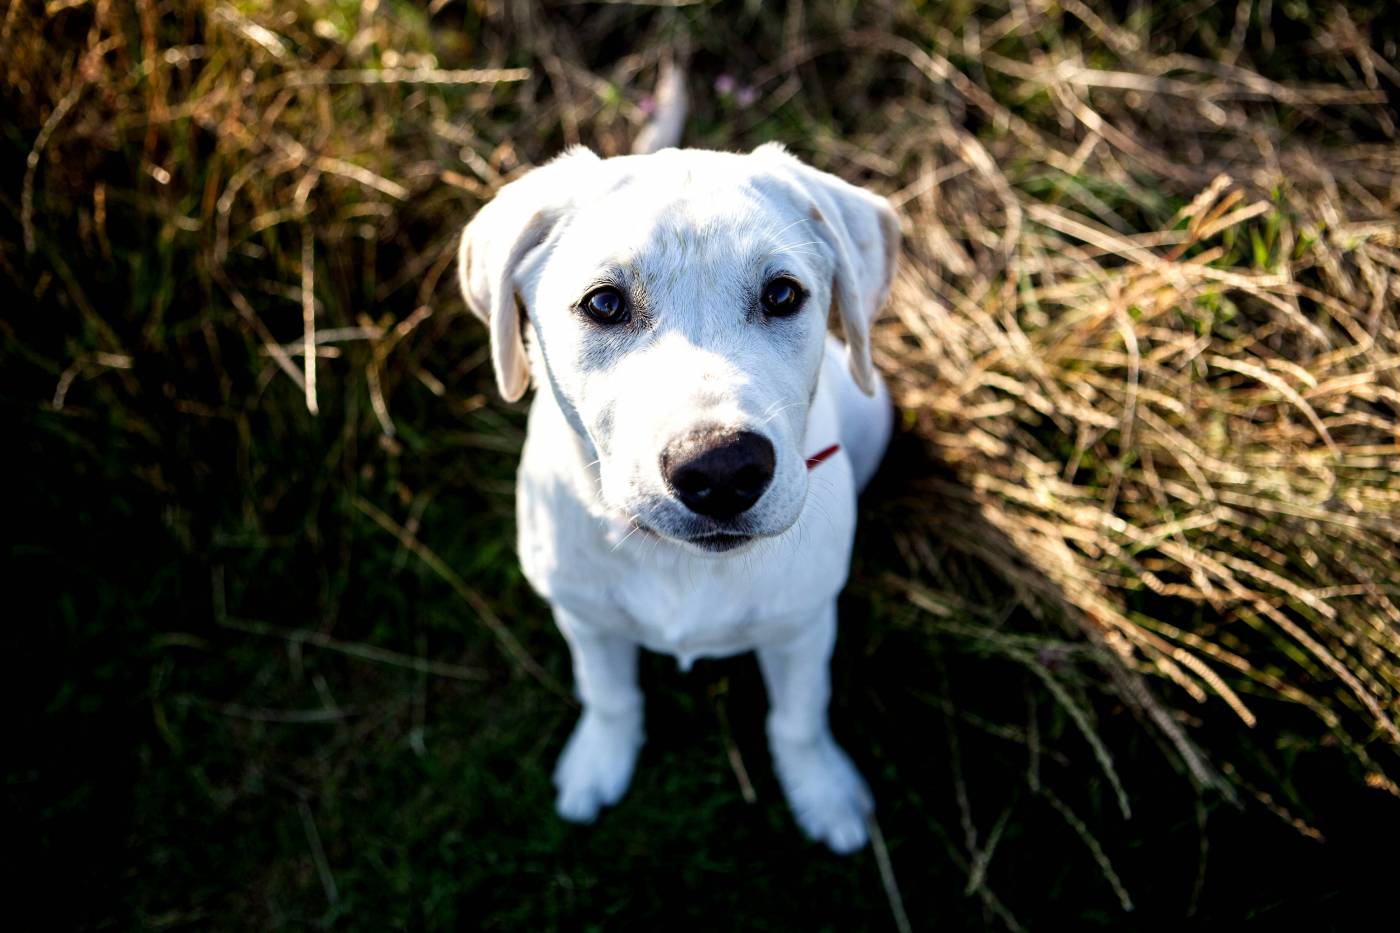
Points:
point(689, 608)
point(694, 612)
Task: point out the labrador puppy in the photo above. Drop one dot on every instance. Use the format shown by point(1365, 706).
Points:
point(697, 439)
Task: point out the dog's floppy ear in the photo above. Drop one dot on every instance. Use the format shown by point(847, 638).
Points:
point(497, 241)
point(862, 232)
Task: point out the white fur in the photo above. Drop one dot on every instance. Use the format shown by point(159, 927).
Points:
point(692, 237)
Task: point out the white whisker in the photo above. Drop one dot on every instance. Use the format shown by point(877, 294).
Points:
point(788, 246)
point(769, 417)
point(777, 233)
point(636, 527)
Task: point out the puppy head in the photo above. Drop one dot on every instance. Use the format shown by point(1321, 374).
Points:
point(678, 303)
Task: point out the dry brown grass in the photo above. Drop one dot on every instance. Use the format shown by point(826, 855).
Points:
point(1181, 438)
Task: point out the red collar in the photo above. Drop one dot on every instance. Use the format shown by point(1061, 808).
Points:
point(816, 459)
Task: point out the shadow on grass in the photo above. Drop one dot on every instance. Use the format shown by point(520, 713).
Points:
point(183, 773)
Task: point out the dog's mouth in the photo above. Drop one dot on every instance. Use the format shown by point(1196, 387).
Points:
point(719, 541)
point(715, 542)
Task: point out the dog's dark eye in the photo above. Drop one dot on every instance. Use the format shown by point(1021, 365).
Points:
point(781, 297)
point(605, 305)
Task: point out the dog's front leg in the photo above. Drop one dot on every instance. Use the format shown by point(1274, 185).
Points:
point(596, 766)
point(823, 788)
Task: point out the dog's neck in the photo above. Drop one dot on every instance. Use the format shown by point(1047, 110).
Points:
point(550, 386)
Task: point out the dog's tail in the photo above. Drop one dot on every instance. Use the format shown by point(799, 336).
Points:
point(668, 119)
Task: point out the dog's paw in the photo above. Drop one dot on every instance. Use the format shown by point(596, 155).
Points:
point(825, 791)
point(596, 766)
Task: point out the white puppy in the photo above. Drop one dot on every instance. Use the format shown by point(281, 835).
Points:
point(695, 445)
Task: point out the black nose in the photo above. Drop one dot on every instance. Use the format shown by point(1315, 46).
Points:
point(718, 474)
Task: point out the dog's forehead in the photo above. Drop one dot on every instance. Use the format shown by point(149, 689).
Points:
point(687, 206)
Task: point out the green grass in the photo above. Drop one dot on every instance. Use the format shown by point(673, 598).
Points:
point(239, 701)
